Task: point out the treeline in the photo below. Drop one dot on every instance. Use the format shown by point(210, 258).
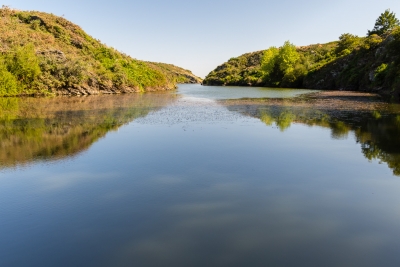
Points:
point(41, 53)
point(352, 62)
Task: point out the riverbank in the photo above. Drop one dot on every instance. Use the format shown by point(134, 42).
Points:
point(322, 100)
point(364, 64)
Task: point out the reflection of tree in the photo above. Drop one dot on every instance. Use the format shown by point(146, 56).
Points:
point(378, 135)
point(380, 140)
point(54, 128)
point(339, 130)
point(282, 120)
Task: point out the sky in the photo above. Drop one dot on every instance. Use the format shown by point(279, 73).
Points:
point(200, 35)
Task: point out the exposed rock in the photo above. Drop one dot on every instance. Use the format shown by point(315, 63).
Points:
point(372, 76)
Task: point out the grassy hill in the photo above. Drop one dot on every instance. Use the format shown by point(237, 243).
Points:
point(352, 63)
point(41, 53)
point(179, 75)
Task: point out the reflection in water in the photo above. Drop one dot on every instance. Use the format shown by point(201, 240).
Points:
point(194, 184)
point(236, 92)
point(377, 131)
point(53, 128)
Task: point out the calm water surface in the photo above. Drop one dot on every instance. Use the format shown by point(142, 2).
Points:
point(235, 92)
point(178, 179)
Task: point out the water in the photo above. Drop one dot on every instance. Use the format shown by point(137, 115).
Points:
point(185, 179)
point(235, 92)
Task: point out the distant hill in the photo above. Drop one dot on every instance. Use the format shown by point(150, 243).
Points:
point(41, 53)
point(180, 75)
point(353, 63)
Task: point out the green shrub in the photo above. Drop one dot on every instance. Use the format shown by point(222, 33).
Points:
point(372, 41)
point(35, 24)
point(23, 63)
point(345, 52)
point(347, 43)
point(24, 17)
point(380, 73)
point(8, 83)
point(295, 77)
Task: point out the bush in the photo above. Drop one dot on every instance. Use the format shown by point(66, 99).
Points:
point(8, 83)
point(295, 77)
point(372, 41)
point(347, 43)
point(23, 63)
point(380, 73)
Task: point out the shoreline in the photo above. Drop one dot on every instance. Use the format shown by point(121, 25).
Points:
point(322, 100)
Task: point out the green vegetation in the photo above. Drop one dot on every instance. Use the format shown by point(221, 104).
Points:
point(280, 64)
point(386, 22)
point(41, 53)
point(177, 74)
point(370, 63)
point(268, 61)
point(347, 43)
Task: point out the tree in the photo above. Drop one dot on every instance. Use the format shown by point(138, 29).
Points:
point(347, 43)
point(385, 22)
point(269, 59)
point(279, 64)
point(287, 57)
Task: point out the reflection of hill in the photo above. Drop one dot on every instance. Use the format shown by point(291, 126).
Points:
point(53, 128)
point(378, 132)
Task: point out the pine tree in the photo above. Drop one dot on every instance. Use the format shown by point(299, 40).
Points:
point(384, 23)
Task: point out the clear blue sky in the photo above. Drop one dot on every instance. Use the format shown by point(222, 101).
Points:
point(200, 35)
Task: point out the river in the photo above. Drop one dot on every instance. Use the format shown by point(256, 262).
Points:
point(201, 176)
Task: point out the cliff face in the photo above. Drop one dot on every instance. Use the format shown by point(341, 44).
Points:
point(41, 53)
point(371, 64)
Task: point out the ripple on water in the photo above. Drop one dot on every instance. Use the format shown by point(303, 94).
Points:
point(189, 110)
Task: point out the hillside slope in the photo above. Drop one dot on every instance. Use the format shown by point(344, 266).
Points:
point(41, 53)
point(353, 63)
point(180, 75)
